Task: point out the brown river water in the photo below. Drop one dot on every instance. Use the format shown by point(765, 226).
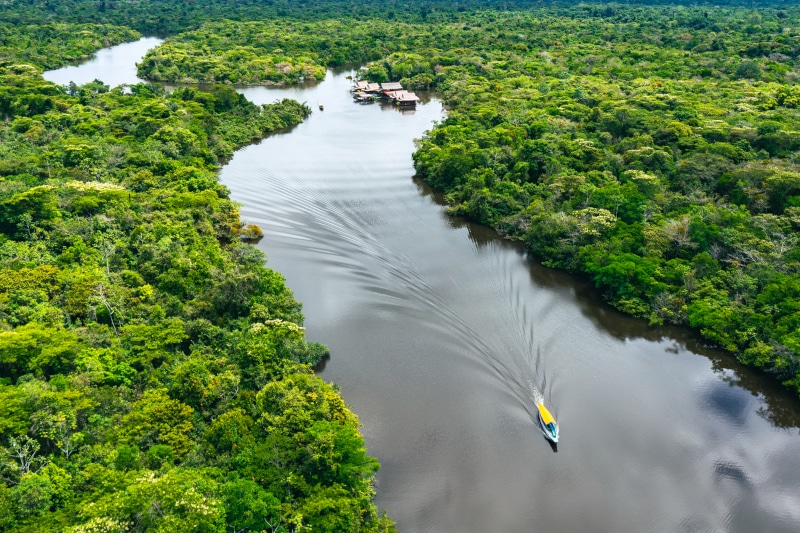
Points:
point(440, 334)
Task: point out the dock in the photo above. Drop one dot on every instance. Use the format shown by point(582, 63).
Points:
point(364, 97)
point(403, 97)
point(364, 91)
point(366, 87)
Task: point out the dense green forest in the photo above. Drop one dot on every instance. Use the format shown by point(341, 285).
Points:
point(154, 375)
point(655, 150)
point(51, 44)
point(660, 157)
point(168, 17)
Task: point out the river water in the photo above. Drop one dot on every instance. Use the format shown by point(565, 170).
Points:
point(439, 333)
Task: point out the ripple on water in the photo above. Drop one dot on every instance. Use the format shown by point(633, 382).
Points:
point(439, 333)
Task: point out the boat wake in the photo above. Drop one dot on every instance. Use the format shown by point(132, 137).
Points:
point(522, 363)
point(312, 215)
point(536, 396)
point(345, 234)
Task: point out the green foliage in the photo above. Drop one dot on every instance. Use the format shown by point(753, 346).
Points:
point(181, 499)
point(51, 45)
point(653, 158)
point(135, 325)
point(631, 143)
point(37, 349)
point(155, 373)
point(38, 493)
point(250, 507)
point(158, 420)
point(270, 52)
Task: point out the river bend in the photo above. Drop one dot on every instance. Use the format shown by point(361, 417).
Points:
point(439, 332)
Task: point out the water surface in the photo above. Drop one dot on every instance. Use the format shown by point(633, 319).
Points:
point(113, 66)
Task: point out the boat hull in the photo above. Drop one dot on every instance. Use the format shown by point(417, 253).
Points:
point(548, 424)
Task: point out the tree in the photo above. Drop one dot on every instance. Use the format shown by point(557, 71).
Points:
point(157, 419)
point(24, 451)
point(748, 70)
point(248, 507)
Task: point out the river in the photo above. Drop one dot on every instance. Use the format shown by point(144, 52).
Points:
point(439, 331)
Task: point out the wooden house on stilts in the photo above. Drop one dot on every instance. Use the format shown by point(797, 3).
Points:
point(364, 91)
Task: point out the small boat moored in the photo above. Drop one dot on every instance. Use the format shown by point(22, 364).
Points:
point(321, 107)
point(548, 423)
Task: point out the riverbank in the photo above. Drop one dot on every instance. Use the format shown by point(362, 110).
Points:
point(672, 184)
point(435, 327)
point(150, 359)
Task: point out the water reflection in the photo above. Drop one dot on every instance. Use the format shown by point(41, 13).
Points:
point(438, 331)
point(781, 407)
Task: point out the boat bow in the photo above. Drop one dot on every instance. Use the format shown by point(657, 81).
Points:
point(548, 423)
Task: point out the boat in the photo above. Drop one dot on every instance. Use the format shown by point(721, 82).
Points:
point(364, 97)
point(548, 423)
point(321, 107)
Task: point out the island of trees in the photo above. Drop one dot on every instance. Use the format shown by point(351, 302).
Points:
point(155, 375)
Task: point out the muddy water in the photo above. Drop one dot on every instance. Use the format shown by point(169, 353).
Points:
point(440, 332)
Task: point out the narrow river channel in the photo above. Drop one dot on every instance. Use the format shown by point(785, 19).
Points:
point(439, 331)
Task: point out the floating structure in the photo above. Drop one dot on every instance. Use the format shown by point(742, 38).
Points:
point(402, 97)
point(364, 91)
point(391, 86)
point(366, 87)
point(364, 97)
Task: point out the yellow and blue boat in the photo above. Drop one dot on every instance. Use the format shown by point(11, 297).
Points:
point(548, 423)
